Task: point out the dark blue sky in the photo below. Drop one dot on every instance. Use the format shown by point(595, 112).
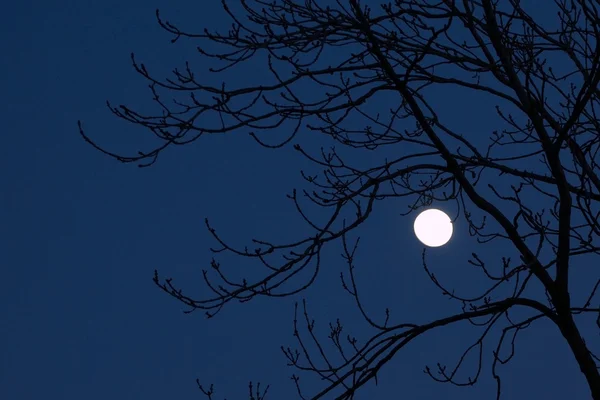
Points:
point(81, 234)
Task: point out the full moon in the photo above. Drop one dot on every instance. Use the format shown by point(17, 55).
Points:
point(433, 227)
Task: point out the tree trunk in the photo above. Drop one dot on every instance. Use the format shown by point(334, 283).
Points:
point(586, 363)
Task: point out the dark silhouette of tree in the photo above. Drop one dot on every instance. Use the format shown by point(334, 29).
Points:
point(494, 48)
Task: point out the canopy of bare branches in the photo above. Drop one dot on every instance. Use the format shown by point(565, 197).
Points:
point(544, 77)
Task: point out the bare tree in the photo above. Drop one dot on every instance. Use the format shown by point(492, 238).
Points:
point(494, 48)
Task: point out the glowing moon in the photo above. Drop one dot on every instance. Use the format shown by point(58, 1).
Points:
point(433, 227)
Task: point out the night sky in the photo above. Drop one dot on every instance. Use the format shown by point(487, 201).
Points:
point(81, 234)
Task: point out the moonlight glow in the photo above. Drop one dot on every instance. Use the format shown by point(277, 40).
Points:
point(433, 228)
